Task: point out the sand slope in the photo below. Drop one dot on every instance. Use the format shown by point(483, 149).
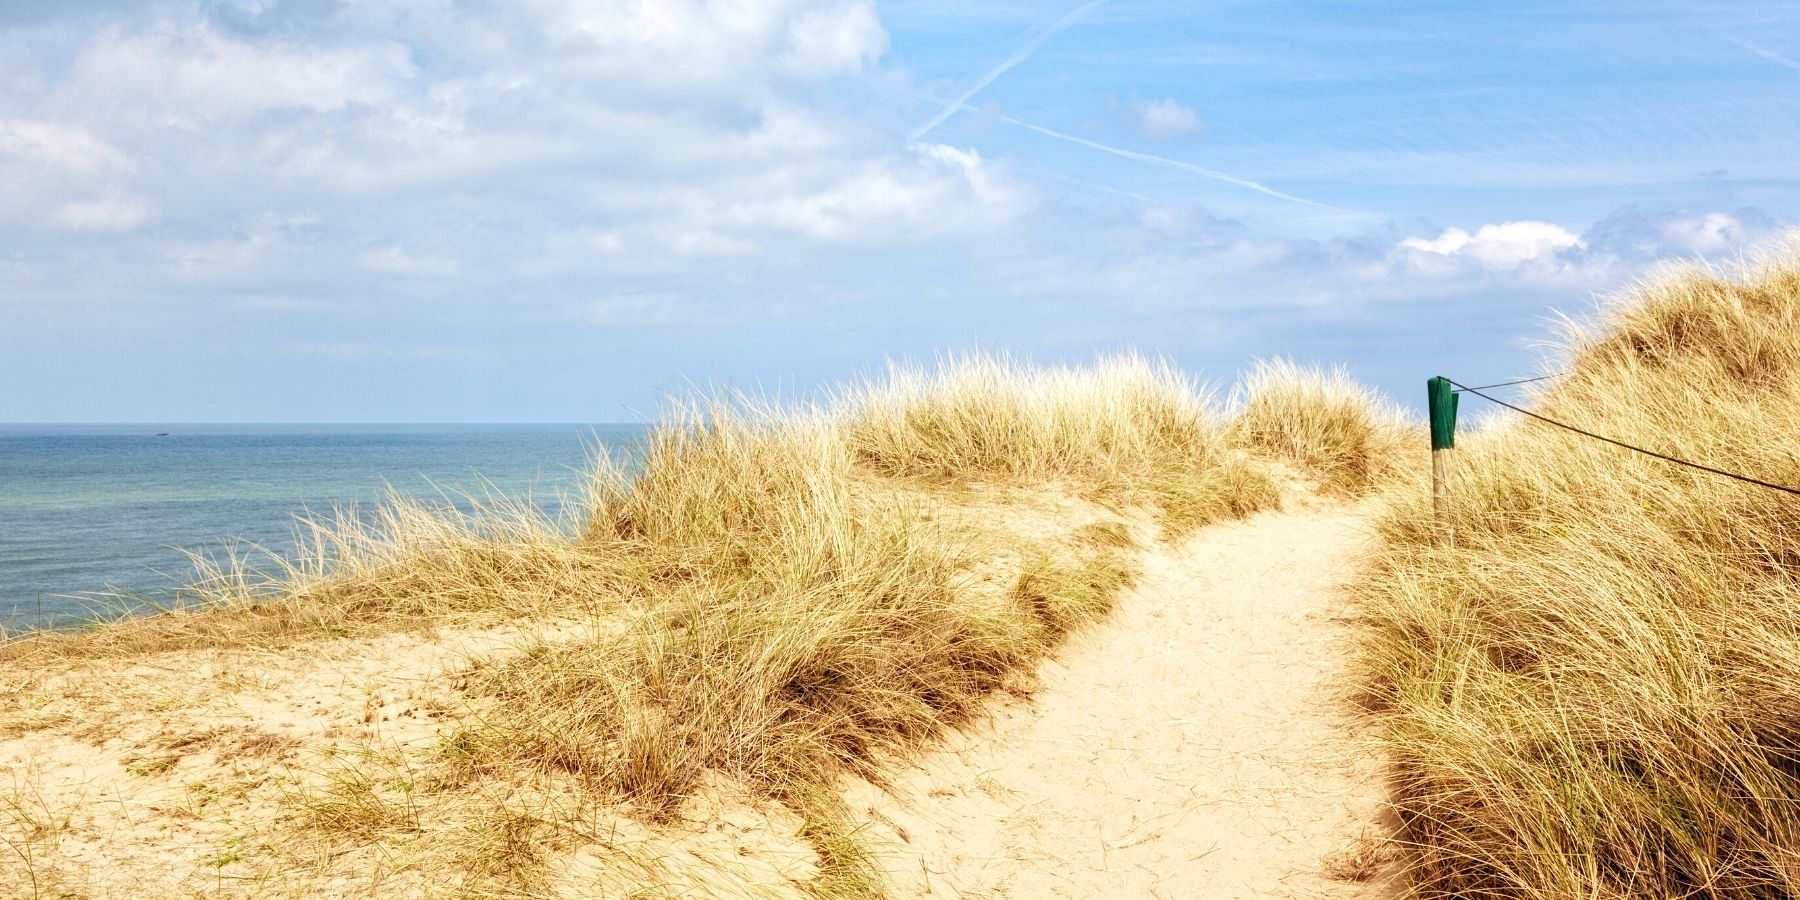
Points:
point(1196, 745)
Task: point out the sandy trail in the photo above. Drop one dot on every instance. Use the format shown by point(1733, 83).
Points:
point(1195, 745)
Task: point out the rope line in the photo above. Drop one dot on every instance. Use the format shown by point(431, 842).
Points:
point(1506, 383)
point(1600, 437)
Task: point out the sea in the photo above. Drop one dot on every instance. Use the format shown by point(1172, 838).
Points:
point(96, 521)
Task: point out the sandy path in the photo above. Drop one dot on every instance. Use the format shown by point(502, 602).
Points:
point(1194, 746)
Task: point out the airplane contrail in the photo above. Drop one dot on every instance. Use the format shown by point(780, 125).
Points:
point(1018, 56)
point(1766, 53)
point(1202, 171)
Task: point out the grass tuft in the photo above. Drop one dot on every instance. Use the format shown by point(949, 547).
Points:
point(1320, 421)
point(1127, 430)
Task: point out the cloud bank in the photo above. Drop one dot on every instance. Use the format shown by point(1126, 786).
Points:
point(550, 209)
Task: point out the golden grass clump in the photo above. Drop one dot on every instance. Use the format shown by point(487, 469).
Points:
point(1126, 429)
point(1320, 421)
point(991, 416)
point(1597, 692)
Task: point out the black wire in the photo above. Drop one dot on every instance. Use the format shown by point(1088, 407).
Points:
point(1744, 478)
point(1510, 383)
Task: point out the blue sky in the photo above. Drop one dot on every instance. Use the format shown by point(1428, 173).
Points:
point(564, 210)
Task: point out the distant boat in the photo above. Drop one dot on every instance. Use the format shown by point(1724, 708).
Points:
point(162, 434)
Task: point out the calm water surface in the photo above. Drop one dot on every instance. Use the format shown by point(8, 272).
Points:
point(98, 508)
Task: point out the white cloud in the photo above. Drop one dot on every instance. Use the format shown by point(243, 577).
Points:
point(364, 351)
point(710, 44)
point(1174, 262)
point(1633, 235)
point(66, 176)
point(105, 214)
point(654, 308)
point(280, 304)
point(1161, 120)
point(939, 189)
point(1705, 234)
point(53, 145)
point(394, 260)
point(678, 128)
point(1503, 246)
point(185, 74)
point(842, 38)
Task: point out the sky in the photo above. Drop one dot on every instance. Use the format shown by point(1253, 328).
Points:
point(570, 210)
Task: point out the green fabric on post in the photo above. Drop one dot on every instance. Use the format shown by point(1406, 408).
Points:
point(1442, 404)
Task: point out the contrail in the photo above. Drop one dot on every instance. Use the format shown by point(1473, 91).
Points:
point(1018, 56)
point(1202, 171)
point(1766, 53)
point(1093, 184)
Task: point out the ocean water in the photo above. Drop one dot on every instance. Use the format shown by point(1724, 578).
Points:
point(89, 509)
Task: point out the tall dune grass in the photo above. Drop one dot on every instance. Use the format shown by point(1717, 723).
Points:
point(991, 416)
point(1126, 429)
point(1597, 692)
point(1320, 421)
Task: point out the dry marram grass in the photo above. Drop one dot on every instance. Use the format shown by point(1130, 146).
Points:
point(1321, 421)
point(1597, 694)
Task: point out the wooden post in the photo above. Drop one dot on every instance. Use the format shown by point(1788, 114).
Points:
point(1442, 406)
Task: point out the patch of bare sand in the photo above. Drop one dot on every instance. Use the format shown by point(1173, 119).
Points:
point(152, 776)
point(1198, 744)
